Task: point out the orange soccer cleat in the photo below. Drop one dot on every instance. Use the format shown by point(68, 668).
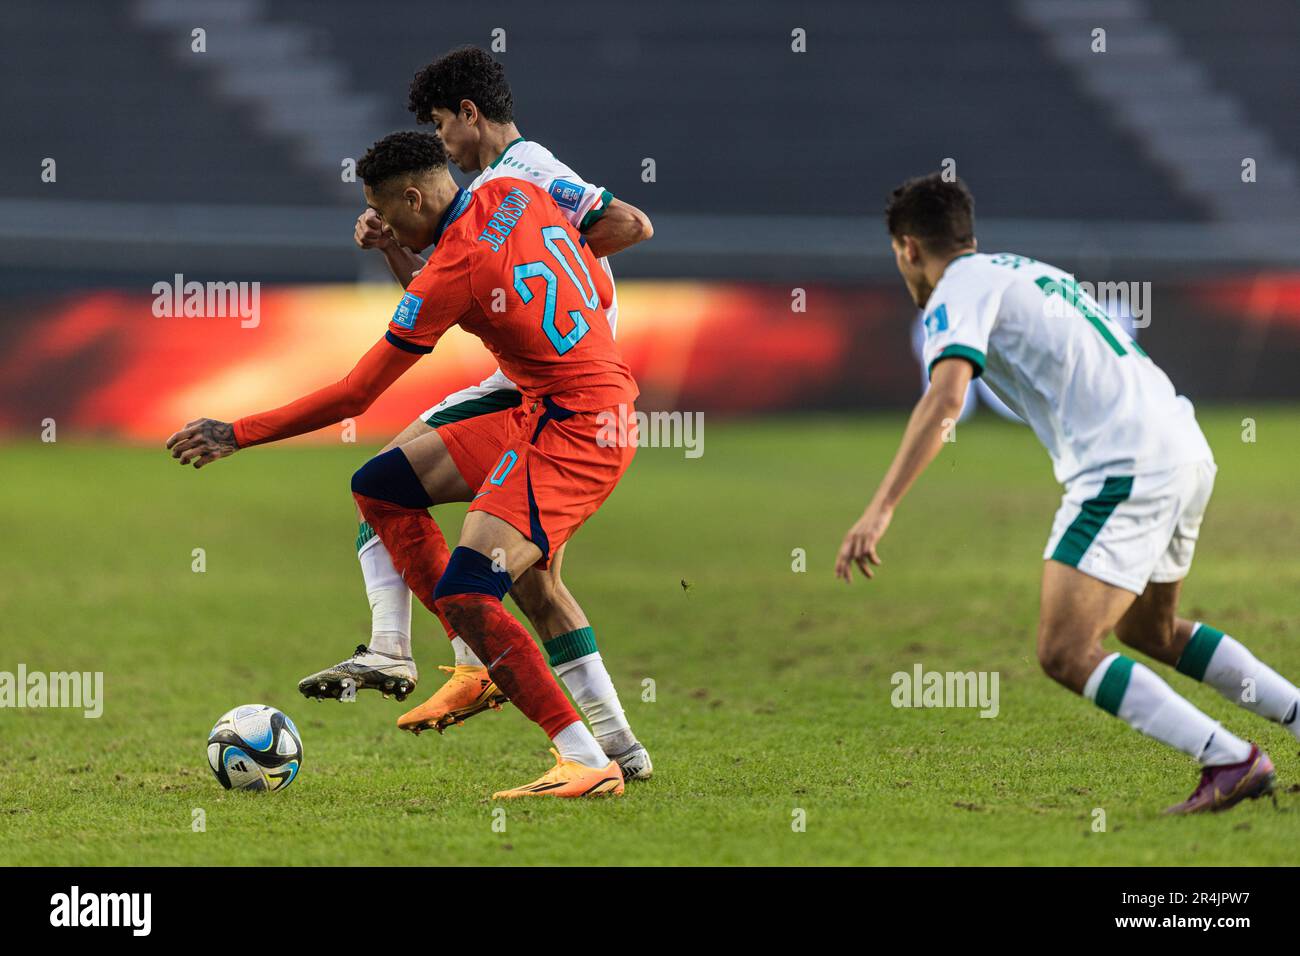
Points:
point(569, 778)
point(469, 691)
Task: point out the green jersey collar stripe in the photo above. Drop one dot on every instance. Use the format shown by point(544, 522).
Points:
point(1083, 530)
point(496, 162)
point(496, 401)
point(974, 356)
point(1114, 684)
point(593, 216)
point(1200, 648)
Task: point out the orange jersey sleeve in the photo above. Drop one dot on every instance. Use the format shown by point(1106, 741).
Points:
point(346, 398)
point(437, 298)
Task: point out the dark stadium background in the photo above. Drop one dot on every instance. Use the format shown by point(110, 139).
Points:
point(771, 168)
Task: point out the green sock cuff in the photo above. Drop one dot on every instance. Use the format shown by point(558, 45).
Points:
point(364, 534)
point(1114, 684)
point(569, 647)
point(1196, 655)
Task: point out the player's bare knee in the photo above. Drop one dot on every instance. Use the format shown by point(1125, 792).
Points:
point(1064, 654)
point(1054, 659)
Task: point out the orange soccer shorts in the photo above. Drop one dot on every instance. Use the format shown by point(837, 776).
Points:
point(542, 468)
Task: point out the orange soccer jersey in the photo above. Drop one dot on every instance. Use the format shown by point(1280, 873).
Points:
point(509, 268)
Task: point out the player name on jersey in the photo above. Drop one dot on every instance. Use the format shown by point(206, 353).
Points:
point(503, 219)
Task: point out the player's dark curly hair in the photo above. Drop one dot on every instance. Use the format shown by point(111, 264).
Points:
point(941, 214)
point(405, 152)
point(466, 73)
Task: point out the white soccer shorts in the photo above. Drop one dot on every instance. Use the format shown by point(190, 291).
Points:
point(1128, 530)
point(494, 393)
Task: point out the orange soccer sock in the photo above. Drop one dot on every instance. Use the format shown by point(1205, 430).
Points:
point(512, 658)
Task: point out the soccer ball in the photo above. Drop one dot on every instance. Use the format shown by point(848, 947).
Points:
point(255, 747)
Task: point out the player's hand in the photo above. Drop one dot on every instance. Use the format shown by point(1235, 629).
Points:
point(203, 440)
point(859, 545)
point(371, 233)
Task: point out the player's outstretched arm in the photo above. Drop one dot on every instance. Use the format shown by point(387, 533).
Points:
point(206, 439)
point(622, 225)
point(936, 410)
point(371, 233)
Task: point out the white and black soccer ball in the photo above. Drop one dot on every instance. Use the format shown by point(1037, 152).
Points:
point(255, 747)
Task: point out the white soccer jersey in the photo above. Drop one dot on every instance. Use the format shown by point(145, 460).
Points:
point(581, 202)
point(1053, 355)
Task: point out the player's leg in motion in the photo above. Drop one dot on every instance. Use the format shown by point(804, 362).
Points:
point(1206, 654)
point(386, 664)
point(1076, 614)
point(470, 595)
point(540, 593)
point(390, 598)
point(570, 643)
point(558, 619)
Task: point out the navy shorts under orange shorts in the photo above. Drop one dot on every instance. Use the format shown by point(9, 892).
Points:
point(542, 468)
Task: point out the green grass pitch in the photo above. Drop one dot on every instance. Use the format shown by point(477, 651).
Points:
point(771, 687)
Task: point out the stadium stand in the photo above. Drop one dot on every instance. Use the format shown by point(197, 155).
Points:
point(760, 153)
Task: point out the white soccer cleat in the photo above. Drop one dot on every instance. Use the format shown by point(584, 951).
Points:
point(635, 763)
point(364, 670)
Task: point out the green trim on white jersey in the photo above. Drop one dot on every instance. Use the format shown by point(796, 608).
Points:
point(974, 356)
point(496, 162)
point(496, 401)
point(593, 215)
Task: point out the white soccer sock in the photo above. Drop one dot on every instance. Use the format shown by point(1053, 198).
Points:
point(464, 656)
point(593, 691)
point(575, 742)
point(1230, 668)
point(1136, 695)
point(390, 599)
